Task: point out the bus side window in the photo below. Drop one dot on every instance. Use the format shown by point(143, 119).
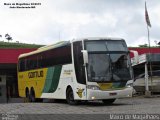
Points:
point(39, 61)
point(21, 65)
point(78, 62)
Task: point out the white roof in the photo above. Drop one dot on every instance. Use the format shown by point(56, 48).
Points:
point(44, 48)
point(48, 47)
point(96, 38)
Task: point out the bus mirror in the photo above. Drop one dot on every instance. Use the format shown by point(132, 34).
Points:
point(85, 56)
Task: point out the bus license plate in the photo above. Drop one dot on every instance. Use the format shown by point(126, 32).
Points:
point(112, 94)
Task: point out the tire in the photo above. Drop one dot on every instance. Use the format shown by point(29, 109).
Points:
point(32, 96)
point(108, 101)
point(70, 97)
point(27, 99)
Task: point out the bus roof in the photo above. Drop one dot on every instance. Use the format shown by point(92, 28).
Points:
point(96, 38)
point(63, 43)
point(45, 48)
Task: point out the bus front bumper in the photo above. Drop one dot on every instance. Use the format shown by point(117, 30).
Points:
point(114, 94)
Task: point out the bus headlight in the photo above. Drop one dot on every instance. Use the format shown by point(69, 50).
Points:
point(129, 85)
point(93, 87)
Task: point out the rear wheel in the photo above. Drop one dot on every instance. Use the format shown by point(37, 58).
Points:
point(27, 99)
point(32, 95)
point(108, 101)
point(70, 97)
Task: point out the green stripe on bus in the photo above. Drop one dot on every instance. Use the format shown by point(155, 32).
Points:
point(52, 79)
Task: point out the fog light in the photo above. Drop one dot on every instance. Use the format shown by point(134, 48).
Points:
point(92, 98)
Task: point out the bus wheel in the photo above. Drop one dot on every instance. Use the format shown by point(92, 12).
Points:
point(32, 96)
point(70, 97)
point(27, 99)
point(108, 101)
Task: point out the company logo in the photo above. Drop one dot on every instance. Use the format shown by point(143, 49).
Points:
point(35, 74)
point(79, 92)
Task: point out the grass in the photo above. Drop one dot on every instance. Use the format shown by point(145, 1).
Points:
point(6, 45)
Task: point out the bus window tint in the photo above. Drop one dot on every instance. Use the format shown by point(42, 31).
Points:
point(56, 56)
point(120, 46)
point(78, 62)
point(94, 46)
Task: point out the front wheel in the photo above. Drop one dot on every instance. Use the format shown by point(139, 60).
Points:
point(108, 101)
point(70, 97)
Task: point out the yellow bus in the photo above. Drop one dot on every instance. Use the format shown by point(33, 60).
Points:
point(78, 70)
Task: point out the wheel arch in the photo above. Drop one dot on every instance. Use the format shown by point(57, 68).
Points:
point(26, 91)
point(68, 87)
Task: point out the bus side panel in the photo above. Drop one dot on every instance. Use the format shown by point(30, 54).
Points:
point(21, 85)
point(51, 82)
point(32, 78)
point(67, 78)
point(57, 80)
point(52, 79)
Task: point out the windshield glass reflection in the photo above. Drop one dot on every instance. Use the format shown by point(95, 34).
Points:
point(108, 61)
point(105, 67)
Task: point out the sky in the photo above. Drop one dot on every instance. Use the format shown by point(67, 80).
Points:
point(59, 20)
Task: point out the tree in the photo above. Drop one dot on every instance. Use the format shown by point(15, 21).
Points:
point(8, 37)
point(145, 45)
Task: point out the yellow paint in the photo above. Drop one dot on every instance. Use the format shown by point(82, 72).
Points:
point(79, 92)
point(105, 86)
point(33, 78)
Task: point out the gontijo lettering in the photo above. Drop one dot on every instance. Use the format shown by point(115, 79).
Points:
point(35, 74)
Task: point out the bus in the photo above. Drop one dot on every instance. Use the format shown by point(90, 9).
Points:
point(85, 69)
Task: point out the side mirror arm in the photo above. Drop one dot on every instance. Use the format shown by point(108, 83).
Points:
point(85, 56)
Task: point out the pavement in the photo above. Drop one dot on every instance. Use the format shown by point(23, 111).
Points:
point(49, 110)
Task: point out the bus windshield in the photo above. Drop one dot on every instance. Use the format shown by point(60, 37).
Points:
point(108, 61)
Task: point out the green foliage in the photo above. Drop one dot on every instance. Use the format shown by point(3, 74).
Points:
point(145, 45)
point(18, 45)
